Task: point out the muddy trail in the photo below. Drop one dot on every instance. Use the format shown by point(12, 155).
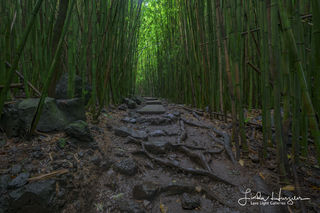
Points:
point(158, 157)
point(169, 164)
point(169, 158)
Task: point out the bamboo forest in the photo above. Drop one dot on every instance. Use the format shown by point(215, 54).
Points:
point(160, 106)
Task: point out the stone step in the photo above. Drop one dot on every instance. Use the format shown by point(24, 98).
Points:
point(150, 98)
point(155, 102)
point(152, 109)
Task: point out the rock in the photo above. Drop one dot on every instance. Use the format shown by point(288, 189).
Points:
point(123, 107)
point(145, 191)
point(97, 129)
point(190, 202)
point(19, 181)
point(150, 98)
point(176, 113)
point(138, 99)
point(125, 131)
point(37, 153)
point(146, 203)
point(314, 181)
point(95, 159)
point(170, 116)
point(254, 158)
point(172, 132)
point(126, 167)
point(62, 88)
point(157, 133)
point(133, 115)
point(16, 118)
point(154, 102)
point(79, 130)
point(154, 120)
point(105, 164)
point(73, 109)
point(81, 154)
point(4, 181)
point(131, 104)
point(34, 197)
point(152, 109)
point(16, 169)
point(29, 168)
point(157, 147)
point(129, 120)
point(3, 140)
point(129, 206)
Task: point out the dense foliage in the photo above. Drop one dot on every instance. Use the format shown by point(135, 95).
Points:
point(235, 56)
point(98, 43)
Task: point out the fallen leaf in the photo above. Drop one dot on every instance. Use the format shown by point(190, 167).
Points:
point(315, 187)
point(288, 188)
point(241, 162)
point(262, 176)
point(198, 189)
point(163, 209)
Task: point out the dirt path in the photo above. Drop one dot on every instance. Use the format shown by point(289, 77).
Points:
point(156, 158)
point(165, 163)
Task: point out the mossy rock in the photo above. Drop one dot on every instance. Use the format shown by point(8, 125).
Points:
point(80, 131)
point(56, 115)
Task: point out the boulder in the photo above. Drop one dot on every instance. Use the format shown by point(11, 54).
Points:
point(145, 191)
point(19, 181)
point(138, 99)
point(16, 118)
point(4, 181)
point(62, 88)
point(190, 202)
point(126, 167)
point(72, 109)
point(130, 103)
point(34, 197)
point(80, 131)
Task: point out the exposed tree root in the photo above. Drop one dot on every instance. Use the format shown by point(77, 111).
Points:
point(196, 116)
point(200, 113)
point(183, 134)
point(174, 189)
point(176, 165)
point(226, 142)
point(177, 146)
point(196, 157)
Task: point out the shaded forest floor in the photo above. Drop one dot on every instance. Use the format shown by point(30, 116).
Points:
point(169, 162)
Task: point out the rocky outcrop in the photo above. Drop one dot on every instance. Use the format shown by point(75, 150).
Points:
point(56, 115)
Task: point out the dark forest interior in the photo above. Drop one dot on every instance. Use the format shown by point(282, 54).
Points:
point(159, 106)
